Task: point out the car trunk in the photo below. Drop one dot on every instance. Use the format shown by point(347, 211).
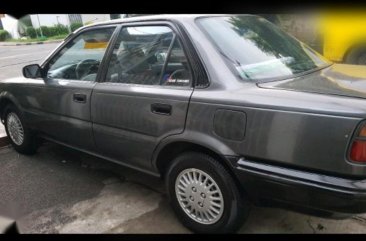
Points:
point(338, 79)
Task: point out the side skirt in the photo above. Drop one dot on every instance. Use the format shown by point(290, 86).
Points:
point(155, 174)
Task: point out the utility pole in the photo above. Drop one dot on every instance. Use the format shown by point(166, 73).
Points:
point(69, 23)
point(40, 29)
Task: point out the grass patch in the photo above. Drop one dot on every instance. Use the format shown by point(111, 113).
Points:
point(57, 37)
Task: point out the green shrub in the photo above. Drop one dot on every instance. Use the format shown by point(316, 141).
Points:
point(56, 30)
point(59, 29)
point(4, 35)
point(31, 32)
point(43, 38)
point(51, 31)
point(75, 26)
point(46, 31)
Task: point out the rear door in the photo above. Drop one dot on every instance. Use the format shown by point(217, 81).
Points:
point(143, 95)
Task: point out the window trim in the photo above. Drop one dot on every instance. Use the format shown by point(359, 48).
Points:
point(200, 71)
point(102, 77)
point(70, 38)
point(167, 60)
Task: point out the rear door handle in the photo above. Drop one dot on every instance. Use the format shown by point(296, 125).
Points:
point(80, 98)
point(161, 109)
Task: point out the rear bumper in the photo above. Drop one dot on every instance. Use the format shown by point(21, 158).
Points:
point(301, 190)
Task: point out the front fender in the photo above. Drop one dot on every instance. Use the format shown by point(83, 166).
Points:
point(6, 96)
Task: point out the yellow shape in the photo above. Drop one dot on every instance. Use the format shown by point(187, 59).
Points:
point(96, 45)
point(342, 31)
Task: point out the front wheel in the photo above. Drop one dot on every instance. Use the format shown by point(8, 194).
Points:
point(204, 196)
point(20, 136)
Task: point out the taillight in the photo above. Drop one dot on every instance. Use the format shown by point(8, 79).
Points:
point(358, 147)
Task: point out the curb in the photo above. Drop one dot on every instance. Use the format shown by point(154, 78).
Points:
point(4, 141)
point(31, 43)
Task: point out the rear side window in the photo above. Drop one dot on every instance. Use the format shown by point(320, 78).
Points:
point(176, 71)
point(148, 55)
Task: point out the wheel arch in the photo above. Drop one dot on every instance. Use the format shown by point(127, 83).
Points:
point(171, 148)
point(166, 153)
point(7, 98)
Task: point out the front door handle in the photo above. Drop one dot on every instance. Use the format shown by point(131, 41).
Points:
point(161, 109)
point(79, 98)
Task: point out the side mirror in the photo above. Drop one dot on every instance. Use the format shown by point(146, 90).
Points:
point(32, 71)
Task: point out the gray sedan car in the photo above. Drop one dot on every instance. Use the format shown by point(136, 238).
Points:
point(228, 109)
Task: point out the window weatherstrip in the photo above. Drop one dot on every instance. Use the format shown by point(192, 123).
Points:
point(167, 59)
point(104, 65)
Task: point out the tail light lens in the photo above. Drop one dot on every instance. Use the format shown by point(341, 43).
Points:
point(358, 147)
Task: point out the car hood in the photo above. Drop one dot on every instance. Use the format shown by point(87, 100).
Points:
point(337, 79)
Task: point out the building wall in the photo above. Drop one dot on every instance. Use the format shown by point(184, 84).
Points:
point(49, 19)
point(94, 18)
point(10, 24)
point(1, 24)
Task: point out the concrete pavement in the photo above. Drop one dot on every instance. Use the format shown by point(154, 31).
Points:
point(3, 138)
point(60, 190)
point(2, 130)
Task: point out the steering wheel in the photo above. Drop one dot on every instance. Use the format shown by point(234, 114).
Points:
point(83, 67)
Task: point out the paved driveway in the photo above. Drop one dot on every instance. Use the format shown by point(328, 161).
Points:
point(60, 190)
point(2, 131)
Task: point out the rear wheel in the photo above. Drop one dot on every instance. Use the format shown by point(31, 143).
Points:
point(21, 138)
point(204, 196)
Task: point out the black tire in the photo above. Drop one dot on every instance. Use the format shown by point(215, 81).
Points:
point(357, 56)
point(30, 142)
point(236, 206)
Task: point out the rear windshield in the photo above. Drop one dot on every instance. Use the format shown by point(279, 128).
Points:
point(258, 50)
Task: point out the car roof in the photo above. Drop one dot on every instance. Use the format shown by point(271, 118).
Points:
point(156, 17)
point(153, 17)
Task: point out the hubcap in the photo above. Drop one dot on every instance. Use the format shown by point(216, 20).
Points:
point(199, 196)
point(15, 129)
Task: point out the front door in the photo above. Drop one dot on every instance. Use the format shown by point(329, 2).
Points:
point(144, 95)
point(60, 107)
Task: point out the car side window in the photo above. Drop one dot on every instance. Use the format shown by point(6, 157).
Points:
point(140, 56)
point(176, 71)
point(81, 57)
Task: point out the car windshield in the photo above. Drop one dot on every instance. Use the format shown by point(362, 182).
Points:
point(259, 50)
